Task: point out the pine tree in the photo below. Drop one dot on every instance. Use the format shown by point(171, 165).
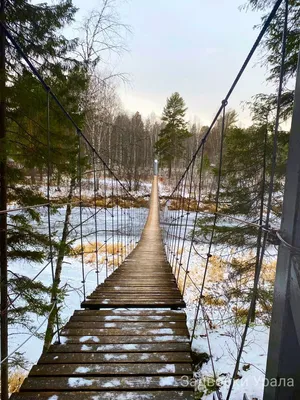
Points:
point(245, 178)
point(272, 43)
point(37, 28)
point(170, 143)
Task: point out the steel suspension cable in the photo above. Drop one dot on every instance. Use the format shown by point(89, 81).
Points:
point(209, 255)
point(95, 217)
point(187, 216)
point(182, 205)
point(105, 220)
point(256, 280)
point(176, 227)
point(235, 82)
point(80, 218)
point(195, 220)
point(56, 100)
point(113, 222)
point(118, 233)
point(54, 294)
point(275, 148)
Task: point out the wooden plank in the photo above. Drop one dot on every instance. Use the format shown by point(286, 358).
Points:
point(126, 318)
point(93, 304)
point(91, 358)
point(145, 303)
point(145, 293)
point(144, 268)
point(142, 283)
point(99, 305)
point(149, 313)
point(140, 290)
point(148, 281)
point(139, 296)
point(123, 332)
point(108, 395)
point(120, 348)
point(123, 325)
point(101, 383)
point(142, 273)
point(163, 291)
point(124, 339)
point(119, 369)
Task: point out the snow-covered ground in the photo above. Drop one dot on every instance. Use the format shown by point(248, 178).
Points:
point(220, 332)
point(72, 267)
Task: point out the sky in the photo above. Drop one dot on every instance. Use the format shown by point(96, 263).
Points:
point(194, 47)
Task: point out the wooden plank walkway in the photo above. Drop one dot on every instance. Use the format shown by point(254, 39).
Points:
point(145, 279)
point(129, 342)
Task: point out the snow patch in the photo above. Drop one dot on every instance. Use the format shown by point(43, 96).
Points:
point(113, 383)
point(115, 356)
point(82, 370)
point(169, 368)
point(78, 382)
point(95, 339)
point(167, 381)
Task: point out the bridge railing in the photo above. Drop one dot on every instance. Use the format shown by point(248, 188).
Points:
point(220, 276)
point(69, 221)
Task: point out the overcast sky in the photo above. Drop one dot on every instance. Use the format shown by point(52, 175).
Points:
point(194, 47)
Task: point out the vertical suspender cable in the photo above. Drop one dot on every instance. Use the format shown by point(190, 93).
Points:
point(195, 221)
point(184, 204)
point(174, 230)
point(112, 221)
point(54, 294)
point(3, 207)
point(80, 216)
point(118, 227)
point(95, 217)
point(209, 255)
point(187, 217)
point(121, 227)
point(274, 154)
point(105, 220)
point(251, 310)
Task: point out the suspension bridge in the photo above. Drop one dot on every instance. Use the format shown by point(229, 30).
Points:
point(131, 339)
point(123, 353)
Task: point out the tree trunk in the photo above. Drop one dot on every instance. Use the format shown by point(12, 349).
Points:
point(41, 175)
point(58, 269)
point(170, 169)
point(32, 176)
point(58, 181)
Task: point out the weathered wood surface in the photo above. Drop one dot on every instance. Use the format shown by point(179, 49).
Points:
point(122, 354)
point(109, 395)
point(107, 362)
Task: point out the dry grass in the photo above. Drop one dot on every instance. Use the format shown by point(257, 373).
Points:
point(105, 202)
point(190, 205)
point(268, 271)
point(112, 249)
point(240, 312)
point(213, 301)
point(15, 380)
point(216, 269)
point(113, 201)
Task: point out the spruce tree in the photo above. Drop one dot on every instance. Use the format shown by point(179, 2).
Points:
point(245, 178)
point(272, 43)
point(170, 143)
point(37, 28)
